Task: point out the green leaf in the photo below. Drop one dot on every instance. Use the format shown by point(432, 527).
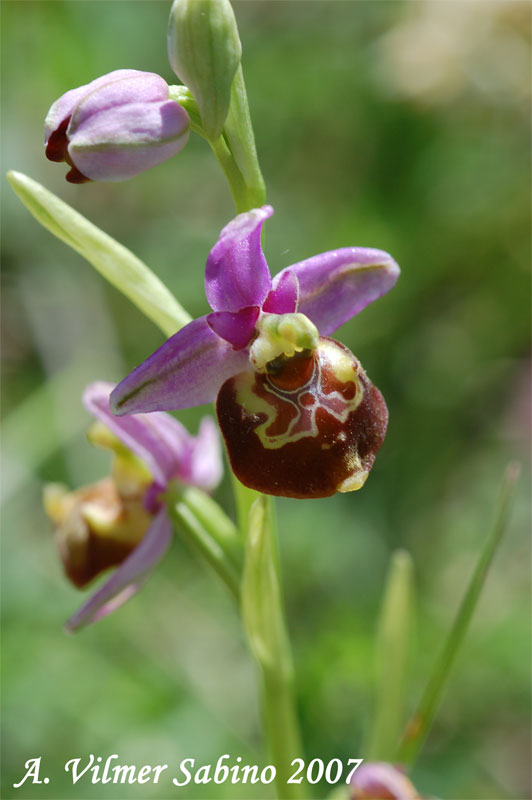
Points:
point(112, 260)
point(421, 721)
point(393, 645)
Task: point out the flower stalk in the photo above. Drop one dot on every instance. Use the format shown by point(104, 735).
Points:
point(243, 195)
point(238, 132)
point(265, 625)
point(204, 537)
point(209, 531)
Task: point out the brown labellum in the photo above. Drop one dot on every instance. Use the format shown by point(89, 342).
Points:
point(310, 426)
point(97, 529)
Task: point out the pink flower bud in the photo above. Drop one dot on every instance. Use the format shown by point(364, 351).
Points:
point(115, 127)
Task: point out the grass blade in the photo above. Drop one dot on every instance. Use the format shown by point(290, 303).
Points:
point(393, 645)
point(421, 721)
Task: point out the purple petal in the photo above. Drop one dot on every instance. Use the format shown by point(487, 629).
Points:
point(335, 286)
point(119, 143)
point(129, 577)
point(64, 107)
point(237, 274)
point(204, 466)
point(160, 441)
point(188, 370)
point(284, 298)
point(236, 328)
point(116, 89)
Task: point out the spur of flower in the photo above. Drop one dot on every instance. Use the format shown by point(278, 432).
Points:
point(299, 415)
point(115, 127)
point(122, 520)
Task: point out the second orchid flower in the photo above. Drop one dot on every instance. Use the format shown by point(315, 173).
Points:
point(123, 521)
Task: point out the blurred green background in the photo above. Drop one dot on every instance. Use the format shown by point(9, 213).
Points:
point(398, 125)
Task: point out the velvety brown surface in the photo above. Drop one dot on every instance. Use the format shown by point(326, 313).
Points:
point(312, 466)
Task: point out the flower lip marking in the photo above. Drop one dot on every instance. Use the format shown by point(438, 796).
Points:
point(310, 440)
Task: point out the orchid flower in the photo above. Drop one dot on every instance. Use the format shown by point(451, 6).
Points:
point(299, 416)
point(122, 521)
point(115, 127)
point(378, 780)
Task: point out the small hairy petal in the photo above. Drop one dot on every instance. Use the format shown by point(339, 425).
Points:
point(237, 274)
point(283, 299)
point(335, 286)
point(159, 440)
point(235, 327)
point(129, 577)
point(186, 371)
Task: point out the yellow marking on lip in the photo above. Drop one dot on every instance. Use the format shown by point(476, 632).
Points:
point(354, 482)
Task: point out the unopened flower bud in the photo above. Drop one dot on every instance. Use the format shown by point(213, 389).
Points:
point(381, 781)
point(204, 51)
point(309, 425)
point(115, 127)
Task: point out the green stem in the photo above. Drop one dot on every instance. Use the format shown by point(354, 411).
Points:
point(264, 621)
point(240, 138)
point(236, 152)
point(280, 712)
point(207, 534)
point(421, 721)
point(242, 195)
point(282, 730)
point(214, 520)
point(244, 499)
